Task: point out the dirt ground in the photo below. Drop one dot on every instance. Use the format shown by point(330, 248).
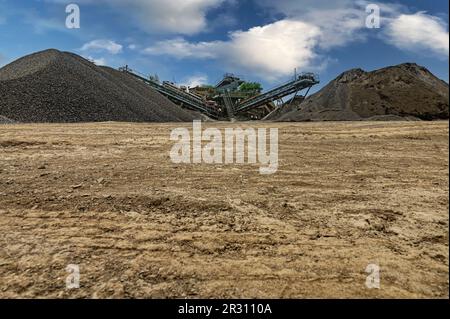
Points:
point(106, 197)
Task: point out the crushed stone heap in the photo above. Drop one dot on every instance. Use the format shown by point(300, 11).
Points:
point(406, 91)
point(59, 87)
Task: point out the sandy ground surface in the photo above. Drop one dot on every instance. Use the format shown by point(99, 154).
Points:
point(107, 198)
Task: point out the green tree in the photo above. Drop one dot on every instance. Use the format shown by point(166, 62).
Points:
point(251, 87)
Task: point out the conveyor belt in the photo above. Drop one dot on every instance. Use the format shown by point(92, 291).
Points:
point(304, 81)
point(187, 99)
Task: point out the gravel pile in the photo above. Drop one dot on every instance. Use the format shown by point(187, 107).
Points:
point(288, 106)
point(57, 87)
point(5, 120)
point(407, 91)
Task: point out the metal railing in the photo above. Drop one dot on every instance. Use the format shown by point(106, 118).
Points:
point(304, 81)
point(228, 105)
point(176, 94)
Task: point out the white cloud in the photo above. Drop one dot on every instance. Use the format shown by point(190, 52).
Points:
point(297, 8)
point(343, 21)
point(181, 49)
point(173, 16)
point(270, 51)
point(302, 39)
point(196, 80)
point(419, 32)
point(99, 61)
point(275, 49)
point(102, 45)
point(339, 26)
point(311, 28)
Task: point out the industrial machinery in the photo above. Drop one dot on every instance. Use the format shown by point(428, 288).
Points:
point(300, 83)
point(174, 93)
point(226, 100)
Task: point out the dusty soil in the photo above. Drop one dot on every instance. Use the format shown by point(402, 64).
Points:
point(107, 198)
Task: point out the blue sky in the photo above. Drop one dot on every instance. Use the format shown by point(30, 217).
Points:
point(197, 41)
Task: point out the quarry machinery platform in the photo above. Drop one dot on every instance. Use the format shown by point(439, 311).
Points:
point(188, 100)
point(228, 94)
point(300, 83)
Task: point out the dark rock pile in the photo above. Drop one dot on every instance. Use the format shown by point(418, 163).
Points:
point(5, 120)
point(406, 91)
point(60, 87)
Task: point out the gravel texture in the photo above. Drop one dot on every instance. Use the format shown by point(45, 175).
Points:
point(406, 91)
point(59, 87)
point(5, 120)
